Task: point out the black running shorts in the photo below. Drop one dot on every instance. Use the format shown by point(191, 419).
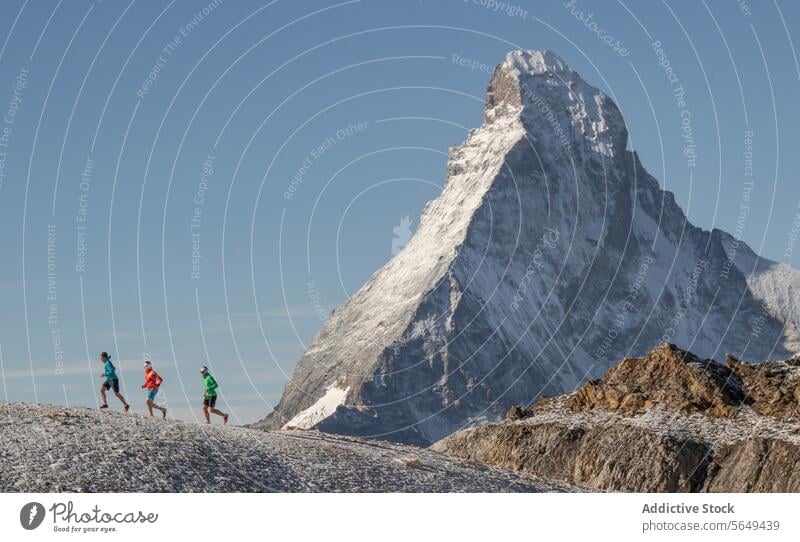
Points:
point(109, 384)
point(210, 402)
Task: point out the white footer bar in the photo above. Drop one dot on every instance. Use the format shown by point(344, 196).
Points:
point(385, 518)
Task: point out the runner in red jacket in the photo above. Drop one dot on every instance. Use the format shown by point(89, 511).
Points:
point(152, 381)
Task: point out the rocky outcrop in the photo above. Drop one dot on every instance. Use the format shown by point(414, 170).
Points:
point(667, 376)
point(665, 422)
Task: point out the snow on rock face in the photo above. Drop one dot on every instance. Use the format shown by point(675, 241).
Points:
point(550, 254)
point(318, 411)
point(541, 88)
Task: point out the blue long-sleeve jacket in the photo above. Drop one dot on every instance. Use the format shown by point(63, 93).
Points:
point(109, 370)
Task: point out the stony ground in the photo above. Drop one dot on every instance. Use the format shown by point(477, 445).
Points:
point(50, 448)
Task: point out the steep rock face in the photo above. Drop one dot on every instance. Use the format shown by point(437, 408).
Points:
point(586, 455)
point(549, 254)
point(621, 456)
point(755, 465)
point(695, 431)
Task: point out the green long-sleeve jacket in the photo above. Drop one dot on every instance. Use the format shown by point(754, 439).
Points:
point(210, 384)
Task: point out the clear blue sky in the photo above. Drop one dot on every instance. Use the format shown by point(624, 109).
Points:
point(359, 101)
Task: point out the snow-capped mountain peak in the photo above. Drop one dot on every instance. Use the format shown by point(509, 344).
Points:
point(550, 254)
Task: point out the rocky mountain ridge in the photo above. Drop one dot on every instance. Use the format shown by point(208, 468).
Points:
point(668, 421)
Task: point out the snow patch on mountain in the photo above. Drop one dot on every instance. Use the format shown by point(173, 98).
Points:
point(324, 407)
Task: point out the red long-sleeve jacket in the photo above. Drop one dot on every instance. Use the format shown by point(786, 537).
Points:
point(152, 380)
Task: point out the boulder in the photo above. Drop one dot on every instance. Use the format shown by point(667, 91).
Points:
point(516, 412)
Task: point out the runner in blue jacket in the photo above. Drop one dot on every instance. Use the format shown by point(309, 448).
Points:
point(110, 381)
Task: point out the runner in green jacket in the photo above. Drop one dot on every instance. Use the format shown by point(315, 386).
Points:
point(210, 396)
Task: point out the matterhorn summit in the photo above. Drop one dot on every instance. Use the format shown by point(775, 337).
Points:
point(549, 255)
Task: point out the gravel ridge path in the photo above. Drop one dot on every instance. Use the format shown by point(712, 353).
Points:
point(45, 448)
